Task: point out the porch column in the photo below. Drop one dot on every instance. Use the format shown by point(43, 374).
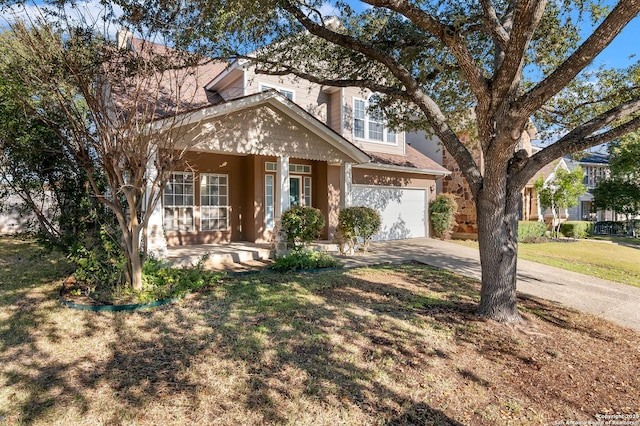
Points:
point(282, 178)
point(345, 185)
point(156, 242)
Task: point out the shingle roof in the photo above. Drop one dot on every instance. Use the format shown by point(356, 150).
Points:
point(413, 159)
point(177, 89)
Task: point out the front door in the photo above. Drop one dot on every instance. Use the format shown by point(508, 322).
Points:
point(294, 190)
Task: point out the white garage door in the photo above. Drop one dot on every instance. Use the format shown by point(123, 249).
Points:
point(403, 210)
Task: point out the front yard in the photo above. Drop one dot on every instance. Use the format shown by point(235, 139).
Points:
point(614, 259)
point(383, 345)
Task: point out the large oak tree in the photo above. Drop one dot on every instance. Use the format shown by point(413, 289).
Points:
point(506, 61)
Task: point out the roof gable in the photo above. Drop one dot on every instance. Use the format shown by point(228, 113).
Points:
point(265, 123)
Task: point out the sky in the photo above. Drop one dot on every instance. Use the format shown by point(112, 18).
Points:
point(616, 55)
point(625, 45)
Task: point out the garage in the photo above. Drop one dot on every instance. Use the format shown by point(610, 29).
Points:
point(403, 210)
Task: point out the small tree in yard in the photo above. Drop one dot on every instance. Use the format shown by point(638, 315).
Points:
point(443, 215)
point(107, 96)
point(560, 193)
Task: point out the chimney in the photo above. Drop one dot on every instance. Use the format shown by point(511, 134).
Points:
point(123, 38)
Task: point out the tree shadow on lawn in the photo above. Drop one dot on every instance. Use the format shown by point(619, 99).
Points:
point(256, 345)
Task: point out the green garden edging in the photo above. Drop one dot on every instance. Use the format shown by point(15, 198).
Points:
point(117, 308)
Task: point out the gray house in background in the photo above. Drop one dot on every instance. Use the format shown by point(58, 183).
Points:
point(596, 168)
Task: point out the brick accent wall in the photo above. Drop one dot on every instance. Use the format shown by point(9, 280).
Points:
point(455, 183)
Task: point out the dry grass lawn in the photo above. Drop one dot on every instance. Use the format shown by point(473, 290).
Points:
point(387, 345)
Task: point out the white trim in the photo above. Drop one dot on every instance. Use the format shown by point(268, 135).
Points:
point(265, 87)
point(234, 66)
point(282, 181)
point(394, 168)
point(346, 182)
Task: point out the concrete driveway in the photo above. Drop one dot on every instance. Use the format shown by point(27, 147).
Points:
point(616, 302)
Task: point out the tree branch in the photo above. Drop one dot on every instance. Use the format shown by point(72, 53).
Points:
point(450, 36)
point(492, 23)
point(583, 137)
point(619, 17)
point(432, 112)
point(527, 14)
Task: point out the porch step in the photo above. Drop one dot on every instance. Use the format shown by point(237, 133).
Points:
point(324, 245)
point(237, 255)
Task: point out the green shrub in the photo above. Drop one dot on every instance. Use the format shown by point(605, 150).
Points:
point(528, 230)
point(99, 262)
point(303, 259)
point(443, 215)
point(576, 229)
point(163, 282)
point(302, 224)
point(358, 223)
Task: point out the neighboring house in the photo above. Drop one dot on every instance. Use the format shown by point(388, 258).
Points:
point(595, 167)
point(259, 144)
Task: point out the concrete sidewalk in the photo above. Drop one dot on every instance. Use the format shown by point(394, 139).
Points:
point(616, 302)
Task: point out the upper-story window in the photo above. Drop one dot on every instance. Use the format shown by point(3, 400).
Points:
point(369, 124)
point(288, 93)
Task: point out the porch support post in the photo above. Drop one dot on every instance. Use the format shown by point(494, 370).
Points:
point(156, 242)
point(282, 177)
point(345, 185)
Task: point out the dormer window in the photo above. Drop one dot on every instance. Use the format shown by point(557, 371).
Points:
point(285, 92)
point(369, 124)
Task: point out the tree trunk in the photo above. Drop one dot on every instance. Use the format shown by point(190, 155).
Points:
point(497, 211)
point(134, 260)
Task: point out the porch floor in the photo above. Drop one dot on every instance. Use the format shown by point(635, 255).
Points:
point(236, 256)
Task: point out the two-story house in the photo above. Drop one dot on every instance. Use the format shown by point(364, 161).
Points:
point(595, 167)
point(259, 144)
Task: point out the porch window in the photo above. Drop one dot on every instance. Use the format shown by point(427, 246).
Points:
point(178, 202)
point(214, 202)
point(307, 191)
point(269, 205)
